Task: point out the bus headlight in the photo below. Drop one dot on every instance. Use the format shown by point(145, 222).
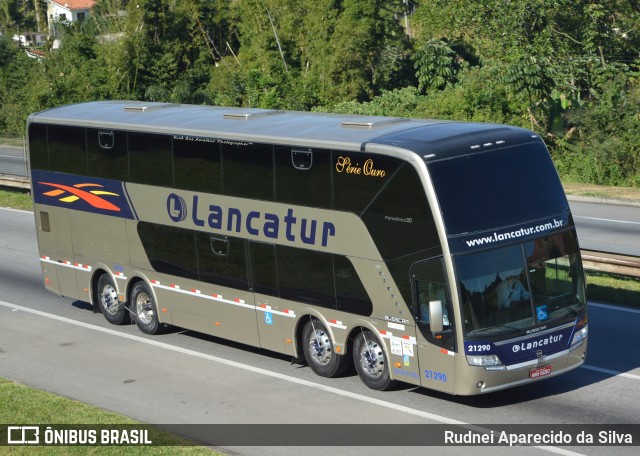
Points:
point(578, 337)
point(489, 362)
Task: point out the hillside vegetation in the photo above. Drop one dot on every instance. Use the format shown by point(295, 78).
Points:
point(568, 69)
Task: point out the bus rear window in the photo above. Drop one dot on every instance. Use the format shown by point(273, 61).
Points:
point(497, 188)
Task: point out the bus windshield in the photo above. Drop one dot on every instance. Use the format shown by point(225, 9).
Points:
point(520, 286)
point(500, 187)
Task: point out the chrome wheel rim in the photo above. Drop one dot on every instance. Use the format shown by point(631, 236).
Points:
point(372, 359)
point(320, 347)
point(144, 308)
point(109, 299)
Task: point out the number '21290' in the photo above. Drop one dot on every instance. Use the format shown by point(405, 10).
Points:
point(433, 375)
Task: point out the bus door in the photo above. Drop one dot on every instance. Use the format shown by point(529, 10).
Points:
point(436, 354)
point(270, 315)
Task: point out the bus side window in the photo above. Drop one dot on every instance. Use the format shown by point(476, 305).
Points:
point(107, 154)
point(67, 149)
point(222, 260)
point(38, 148)
point(303, 176)
point(429, 285)
point(150, 159)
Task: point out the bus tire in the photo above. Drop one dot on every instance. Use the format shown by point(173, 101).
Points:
point(319, 350)
point(107, 296)
point(145, 310)
point(371, 361)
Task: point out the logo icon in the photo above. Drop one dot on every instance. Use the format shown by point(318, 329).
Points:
point(77, 192)
point(23, 435)
point(176, 207)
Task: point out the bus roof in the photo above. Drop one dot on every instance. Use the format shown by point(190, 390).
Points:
point(433, 139)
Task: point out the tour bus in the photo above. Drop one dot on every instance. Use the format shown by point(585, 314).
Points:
point(436, 253)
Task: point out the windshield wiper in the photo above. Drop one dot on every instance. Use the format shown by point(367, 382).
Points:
point(520, 330)
point(493, 328)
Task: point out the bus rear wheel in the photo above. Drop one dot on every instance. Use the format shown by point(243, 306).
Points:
point(144, 309)
point(319, 350)
point(107, 296)
point(371, 362)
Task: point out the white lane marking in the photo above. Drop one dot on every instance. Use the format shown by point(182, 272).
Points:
point(611, 372)
point(16, 210)
point(621, 309)
point(605, 220)
point(257, 370)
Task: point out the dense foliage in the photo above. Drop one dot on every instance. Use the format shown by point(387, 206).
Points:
point(568, 69)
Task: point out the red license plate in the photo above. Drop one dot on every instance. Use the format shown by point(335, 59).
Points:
point(539, 372)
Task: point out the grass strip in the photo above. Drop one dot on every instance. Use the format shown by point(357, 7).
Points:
point(22, 405)
point(613, 289)
point(16, 199)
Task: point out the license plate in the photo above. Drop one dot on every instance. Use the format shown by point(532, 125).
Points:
point(539, 372)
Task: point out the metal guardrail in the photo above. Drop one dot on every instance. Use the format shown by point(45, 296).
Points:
point(14, 172)
point(611, 262)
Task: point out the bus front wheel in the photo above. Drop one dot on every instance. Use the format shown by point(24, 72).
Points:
point(144, 309)
point(371, 362)
point(110, 306)
point(319, 350)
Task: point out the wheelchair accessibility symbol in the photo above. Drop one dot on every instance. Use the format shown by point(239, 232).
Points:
point(268, 318)
point(542, 312)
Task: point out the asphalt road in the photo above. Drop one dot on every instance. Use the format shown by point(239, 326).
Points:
point(611, 228)
point(59, 345)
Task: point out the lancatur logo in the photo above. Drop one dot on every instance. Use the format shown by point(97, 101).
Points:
point(176, 207)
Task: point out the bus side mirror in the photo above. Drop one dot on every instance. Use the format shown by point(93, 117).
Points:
point(435, 316)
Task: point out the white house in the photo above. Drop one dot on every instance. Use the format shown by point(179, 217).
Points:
point(29, 39)
point(67, 11)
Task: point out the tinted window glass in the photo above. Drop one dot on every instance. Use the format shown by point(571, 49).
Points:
point(494, 290)
point(39, 155)
point(357, 178)
point(400, 270)
point(67, 149)
point(263, 268)
point(497, 188)
point(400, 219)
point(301, 185)
point(222, 260)
point(107, 153)
point(248, 171)
point(150, 159)
point(306, 276)
point(430, 285)
point(170, 250)
point(197, 164)
point(350, 293)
